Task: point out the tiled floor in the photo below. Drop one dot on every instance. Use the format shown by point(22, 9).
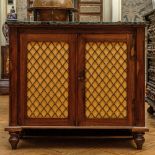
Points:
point(49, 146)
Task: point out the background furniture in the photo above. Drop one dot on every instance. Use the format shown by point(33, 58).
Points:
point(4, 81)
point(5, 62)
point(29, 11)
point(53, 10)
point(77, 76)
point(90, 10)
point(150, 70)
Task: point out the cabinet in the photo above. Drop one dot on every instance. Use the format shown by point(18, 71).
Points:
point(76, 76)
point(150, 70)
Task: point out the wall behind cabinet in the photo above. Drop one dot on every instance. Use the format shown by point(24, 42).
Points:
point(22, 9)
point(133, 10)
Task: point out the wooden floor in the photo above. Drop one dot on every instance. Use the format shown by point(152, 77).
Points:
point(41, 146)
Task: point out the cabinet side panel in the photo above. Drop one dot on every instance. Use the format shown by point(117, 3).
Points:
point(13, 49)
point(140, 79)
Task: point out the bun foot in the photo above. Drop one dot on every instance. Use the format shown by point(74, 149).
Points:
point(14, 139)
point(150, 110)
point(139, 140)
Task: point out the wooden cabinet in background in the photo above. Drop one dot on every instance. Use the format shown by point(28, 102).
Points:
point(5, 61)
point(150, 68)
point(30, 15)
point(77, 76)
point(4, 81)
point(88, 10)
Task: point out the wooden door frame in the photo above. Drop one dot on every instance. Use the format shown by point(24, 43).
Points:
point(128, 38)
point(23, 119)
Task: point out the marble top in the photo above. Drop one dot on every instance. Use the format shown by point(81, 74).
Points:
point(19, 22)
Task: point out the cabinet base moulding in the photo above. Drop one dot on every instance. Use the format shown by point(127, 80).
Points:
point(136, 133)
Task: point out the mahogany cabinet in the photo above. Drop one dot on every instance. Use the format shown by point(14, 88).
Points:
point(77, 76)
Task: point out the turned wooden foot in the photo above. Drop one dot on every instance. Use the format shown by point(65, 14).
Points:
point(14, 139)
point(139, 140)
point(150, 110)
point(15, 133)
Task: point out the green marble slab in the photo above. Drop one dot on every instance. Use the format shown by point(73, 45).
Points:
point(19, 22)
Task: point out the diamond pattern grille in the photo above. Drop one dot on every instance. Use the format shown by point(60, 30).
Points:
point(106, 80)
point(47, 79)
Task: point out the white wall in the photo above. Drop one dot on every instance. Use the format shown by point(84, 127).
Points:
point(116, 10)
point(107, 10)
point(112, 10)
point(153, 3)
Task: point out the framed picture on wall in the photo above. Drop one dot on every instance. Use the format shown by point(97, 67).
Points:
point(10, 2)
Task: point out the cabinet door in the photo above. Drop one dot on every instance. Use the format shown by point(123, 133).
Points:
point(106, 79)
point(47, 87)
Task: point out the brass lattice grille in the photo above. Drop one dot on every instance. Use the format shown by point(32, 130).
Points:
point(106, 80)
point(47, 79)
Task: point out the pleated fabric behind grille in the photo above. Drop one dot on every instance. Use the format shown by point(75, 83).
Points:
point(106, 80)
point(47, 79)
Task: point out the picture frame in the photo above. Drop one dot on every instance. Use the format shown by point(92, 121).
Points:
point(10, 2)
